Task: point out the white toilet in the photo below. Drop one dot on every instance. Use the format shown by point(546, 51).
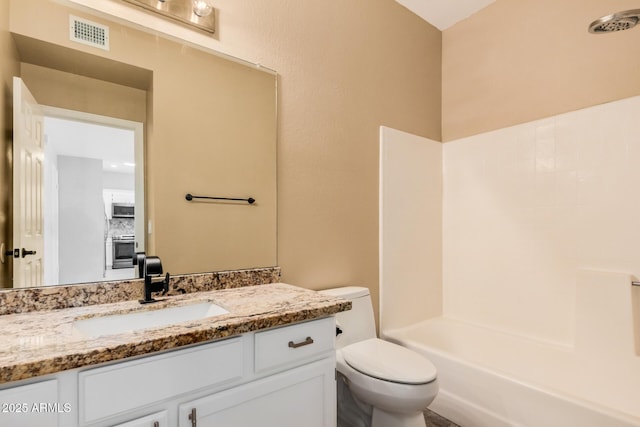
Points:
point(395, 382)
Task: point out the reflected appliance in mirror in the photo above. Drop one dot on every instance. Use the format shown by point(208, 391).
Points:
point(194, 106)
point(123, 210)
point(123, 251)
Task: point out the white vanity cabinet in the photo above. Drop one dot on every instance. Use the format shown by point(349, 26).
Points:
point(281, 377)
point(301, 393)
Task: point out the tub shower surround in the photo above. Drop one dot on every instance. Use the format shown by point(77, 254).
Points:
point(539, 233)
point(59, 297)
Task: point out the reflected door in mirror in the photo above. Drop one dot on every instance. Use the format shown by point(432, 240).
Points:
point(28, 147)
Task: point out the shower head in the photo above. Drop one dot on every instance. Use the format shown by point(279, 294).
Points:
point(617, 22)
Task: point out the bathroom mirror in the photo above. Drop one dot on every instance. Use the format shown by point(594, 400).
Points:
point(208, 126)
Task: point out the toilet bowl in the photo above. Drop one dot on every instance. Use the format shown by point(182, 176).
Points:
point(397, 383)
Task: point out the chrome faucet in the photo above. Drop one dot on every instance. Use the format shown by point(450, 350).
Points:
point(151, 266)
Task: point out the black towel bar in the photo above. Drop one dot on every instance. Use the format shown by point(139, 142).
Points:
point(190, 197)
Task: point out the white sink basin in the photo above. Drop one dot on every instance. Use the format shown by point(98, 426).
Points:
point(129, 322)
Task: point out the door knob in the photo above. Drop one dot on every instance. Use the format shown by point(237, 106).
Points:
point(26, 252)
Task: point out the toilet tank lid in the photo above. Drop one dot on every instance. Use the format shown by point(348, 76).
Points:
point(347, 292)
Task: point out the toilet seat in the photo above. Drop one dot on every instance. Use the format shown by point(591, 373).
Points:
point(389, 362)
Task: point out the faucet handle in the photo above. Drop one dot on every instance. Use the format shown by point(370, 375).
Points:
point(152, 266)
point(153, 281)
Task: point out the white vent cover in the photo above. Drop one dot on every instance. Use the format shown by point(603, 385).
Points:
point(89, 33)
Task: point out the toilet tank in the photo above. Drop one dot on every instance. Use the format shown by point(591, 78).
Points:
point(357, 324)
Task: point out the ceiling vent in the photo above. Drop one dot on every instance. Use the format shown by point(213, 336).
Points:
point(89, 33)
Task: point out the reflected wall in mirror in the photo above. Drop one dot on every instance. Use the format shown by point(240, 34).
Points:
point(93, 187)
point(207, 126)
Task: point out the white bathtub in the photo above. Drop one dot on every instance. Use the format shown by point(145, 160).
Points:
point(493, 379)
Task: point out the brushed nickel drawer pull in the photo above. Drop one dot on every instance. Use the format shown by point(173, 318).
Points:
point(192, 417)
point(156, 424)
point(308, 341)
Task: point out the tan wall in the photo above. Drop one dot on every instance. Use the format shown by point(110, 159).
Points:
point(518, 61)
point(213, 153)
point(346, 67)
point(8, 69)
point(73, 92)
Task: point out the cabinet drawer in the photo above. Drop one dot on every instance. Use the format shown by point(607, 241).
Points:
point(291, 345)
point(125, 386)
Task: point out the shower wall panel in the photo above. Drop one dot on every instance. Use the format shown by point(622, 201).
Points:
point(525, 207)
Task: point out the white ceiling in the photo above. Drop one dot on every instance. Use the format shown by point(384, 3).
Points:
point(115, 147)
point(443, 14)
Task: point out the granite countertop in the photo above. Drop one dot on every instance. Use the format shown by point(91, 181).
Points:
point(45, 342)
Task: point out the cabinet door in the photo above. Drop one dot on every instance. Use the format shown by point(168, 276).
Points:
point(32, 405)
point(305, 396)
point(159, 419)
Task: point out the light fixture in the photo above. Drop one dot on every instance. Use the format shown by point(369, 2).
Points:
point(196, 13)
point(202, 8)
